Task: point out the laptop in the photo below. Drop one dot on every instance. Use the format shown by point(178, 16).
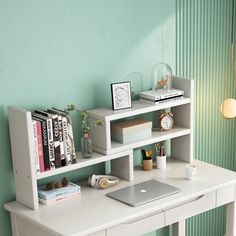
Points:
point(142, 193)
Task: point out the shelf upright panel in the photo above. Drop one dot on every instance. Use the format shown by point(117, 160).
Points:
point(21, 134)
point(182, 147)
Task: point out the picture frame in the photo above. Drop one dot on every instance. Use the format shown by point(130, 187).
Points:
point(121, 95)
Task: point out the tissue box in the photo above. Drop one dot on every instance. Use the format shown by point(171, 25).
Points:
point(131, 130)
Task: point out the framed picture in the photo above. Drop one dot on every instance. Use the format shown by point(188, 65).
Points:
point(121, 95)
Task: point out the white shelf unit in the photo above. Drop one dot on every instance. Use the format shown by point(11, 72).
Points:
point(120, 155)
point(25, 176)
point(181, 135)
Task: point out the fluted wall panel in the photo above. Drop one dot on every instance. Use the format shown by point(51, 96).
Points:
point(202, 44)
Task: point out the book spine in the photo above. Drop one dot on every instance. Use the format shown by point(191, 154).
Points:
point(60, 132)
point(45, 145)
point(66, 141)
point(71, 140)
point(40, 146)
point(57, 149)
point(59, 198)
point(50, 143)
point(35, 147)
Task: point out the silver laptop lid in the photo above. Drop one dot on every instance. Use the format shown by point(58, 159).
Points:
point(144, 192)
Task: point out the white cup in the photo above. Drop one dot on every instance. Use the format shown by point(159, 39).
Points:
point(161, 162)
point(191, 171)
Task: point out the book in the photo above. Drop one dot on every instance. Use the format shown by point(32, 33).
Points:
point(161, 101)
point(65, 133)
point(40, 145)
point(56, 140)
point(60, 198)
point(69, 138)
point(35, 146)
point(56, 192)
point(60, 133)
point(49, 134)
point(161, 95)
point(44, 143)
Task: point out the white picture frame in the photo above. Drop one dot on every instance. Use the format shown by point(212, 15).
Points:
point(121, 95)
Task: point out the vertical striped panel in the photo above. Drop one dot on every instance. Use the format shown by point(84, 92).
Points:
point(202, 53)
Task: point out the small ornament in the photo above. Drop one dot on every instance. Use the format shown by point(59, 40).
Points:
point(161, 77)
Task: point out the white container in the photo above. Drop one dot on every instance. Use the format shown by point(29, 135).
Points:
point(161, 162)
point(191, 171)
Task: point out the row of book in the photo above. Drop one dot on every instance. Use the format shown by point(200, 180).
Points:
point(48, 197)
point(53, 139)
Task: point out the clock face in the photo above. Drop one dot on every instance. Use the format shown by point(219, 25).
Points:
point(166, 122)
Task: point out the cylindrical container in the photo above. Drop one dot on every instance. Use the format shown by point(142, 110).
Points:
point(147, 165)
point(86, 146)
point(161, 162)
point(191, 171)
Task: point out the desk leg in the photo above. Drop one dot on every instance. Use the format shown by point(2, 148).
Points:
point(179, 228)
point(231, 219)
point(14, 225)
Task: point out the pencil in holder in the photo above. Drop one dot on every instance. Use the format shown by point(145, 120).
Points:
point(147, 164)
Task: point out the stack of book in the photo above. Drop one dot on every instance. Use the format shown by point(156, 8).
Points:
point(47, 197)
point(161, 96)
point(53, 139)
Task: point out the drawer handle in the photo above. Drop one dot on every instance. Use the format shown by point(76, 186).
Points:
point(142, 217)
point(184, 203)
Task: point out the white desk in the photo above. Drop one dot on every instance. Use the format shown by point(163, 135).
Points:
point(96, 214)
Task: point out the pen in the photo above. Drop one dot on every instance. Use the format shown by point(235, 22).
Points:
point(144, 154)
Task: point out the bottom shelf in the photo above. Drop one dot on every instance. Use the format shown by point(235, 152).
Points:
point(84, 162)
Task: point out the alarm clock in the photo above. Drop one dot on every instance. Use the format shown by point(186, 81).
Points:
point(166, 121)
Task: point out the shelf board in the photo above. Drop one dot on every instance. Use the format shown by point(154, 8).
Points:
point(83, 162)
point(157, 136)
point(138, 107)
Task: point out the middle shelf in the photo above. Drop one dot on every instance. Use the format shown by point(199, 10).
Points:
point(157, 136)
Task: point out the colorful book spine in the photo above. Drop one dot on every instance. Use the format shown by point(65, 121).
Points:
point(46, 158)
point(66, 140)
point(51, 143)
point(35, 147)
point(62, 149)
point(50, 194)
point(70, 139)
point(40, 145)
point(56, 139)
point(61, 138)
point(60, 198)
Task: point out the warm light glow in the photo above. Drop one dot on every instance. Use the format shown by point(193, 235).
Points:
point(228, 108)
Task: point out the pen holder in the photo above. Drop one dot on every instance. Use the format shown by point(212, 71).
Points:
point(147, 165)
point(161, 162)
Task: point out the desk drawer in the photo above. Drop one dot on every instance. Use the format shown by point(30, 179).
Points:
point(138, 226)
point(225, 195)
point(190, 208)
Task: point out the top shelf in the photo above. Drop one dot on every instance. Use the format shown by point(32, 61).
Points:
point(138, 107)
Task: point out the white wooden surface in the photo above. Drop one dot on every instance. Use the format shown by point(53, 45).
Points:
point(157, 136)
point(23, 160)
point(95, 212)
point(181, 148)
point(84, 162)
point(138, 107)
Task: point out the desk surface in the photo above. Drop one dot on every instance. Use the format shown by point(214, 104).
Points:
point(95, 212)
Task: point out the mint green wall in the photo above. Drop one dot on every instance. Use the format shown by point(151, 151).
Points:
point(57, 52)
point(202, 43)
